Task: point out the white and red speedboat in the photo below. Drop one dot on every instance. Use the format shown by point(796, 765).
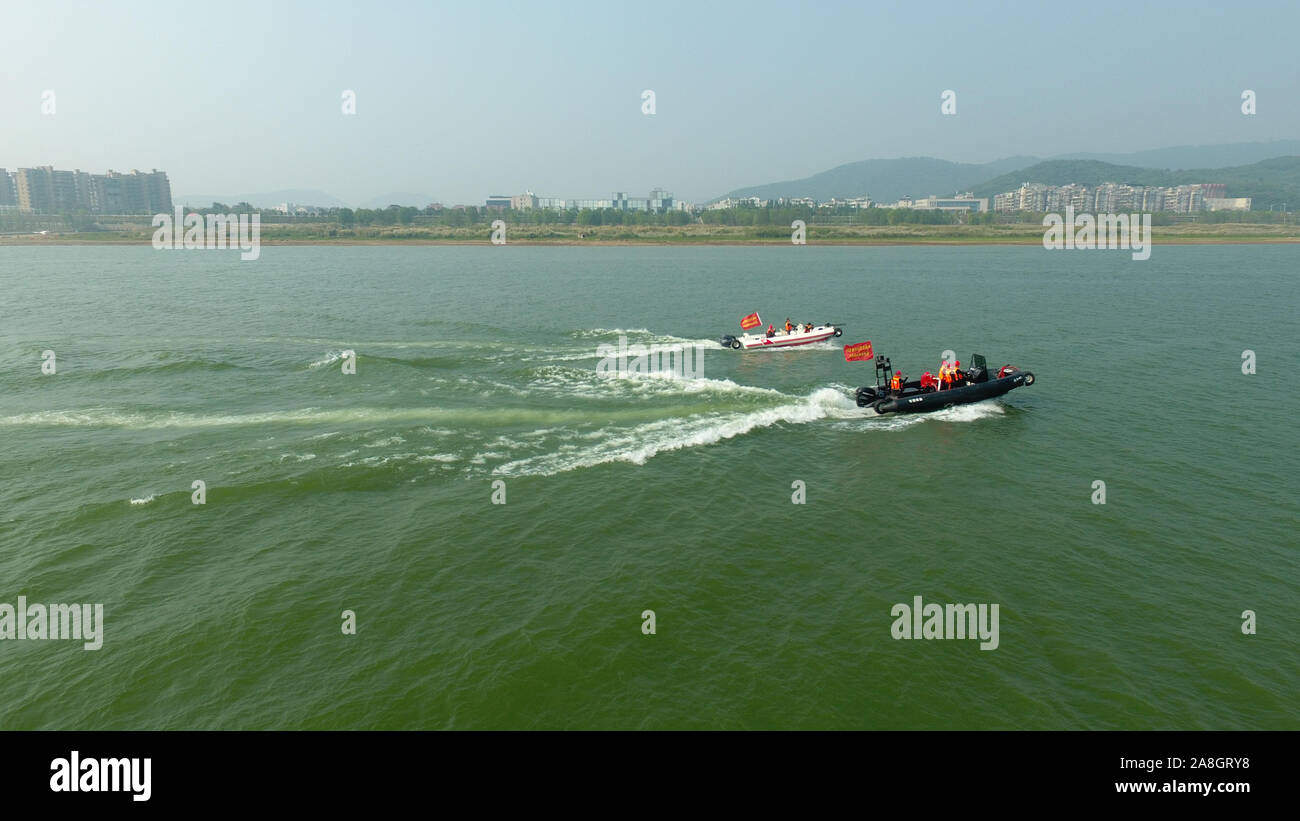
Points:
point(800, 335)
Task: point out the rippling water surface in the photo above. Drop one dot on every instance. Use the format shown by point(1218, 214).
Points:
point(373, 492)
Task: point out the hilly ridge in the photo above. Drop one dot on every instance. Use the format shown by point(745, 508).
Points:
point(1268, 172)
point(888, 180)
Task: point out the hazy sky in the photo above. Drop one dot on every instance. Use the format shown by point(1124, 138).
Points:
point(461, 100)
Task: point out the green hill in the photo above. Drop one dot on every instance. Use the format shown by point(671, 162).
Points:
point(1269, 183)
point(886, 180)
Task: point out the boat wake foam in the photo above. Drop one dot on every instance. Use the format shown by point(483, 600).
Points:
point(865, 419)
point(637, 444)
point(329, 359)
point(581, 383)
point(642, 336)
point(969, 413)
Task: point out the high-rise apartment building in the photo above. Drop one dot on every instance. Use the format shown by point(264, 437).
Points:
point(35, 188)
point(47, 190)
point(1110, 197)
point(8, 190)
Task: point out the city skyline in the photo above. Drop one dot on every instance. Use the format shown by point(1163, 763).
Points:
point(50, 191)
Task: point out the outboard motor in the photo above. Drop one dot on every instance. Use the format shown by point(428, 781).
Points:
point(978, 371)
point(884, 370)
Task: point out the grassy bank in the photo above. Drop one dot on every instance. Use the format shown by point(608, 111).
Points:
point(1012, 234)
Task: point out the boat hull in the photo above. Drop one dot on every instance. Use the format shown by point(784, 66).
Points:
point(819, 333)
point(914, 400)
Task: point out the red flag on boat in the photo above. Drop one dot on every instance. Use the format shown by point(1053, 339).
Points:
point(751, 321)
point(858, 352)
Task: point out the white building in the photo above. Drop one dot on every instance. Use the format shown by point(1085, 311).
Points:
point(1227, 203)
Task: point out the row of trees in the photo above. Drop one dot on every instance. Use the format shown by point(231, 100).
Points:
point(741, 216)
point(780, 216)
point(461, 217)
point(393, 215)
point(784, 215)
point(745, 215)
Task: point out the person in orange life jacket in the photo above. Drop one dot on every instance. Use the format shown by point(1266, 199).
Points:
point(788, 326)
point(945, 376)
point(927, 381)
point(896, 384)
point(957, 376)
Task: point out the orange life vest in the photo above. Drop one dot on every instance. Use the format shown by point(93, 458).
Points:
point(895, 383)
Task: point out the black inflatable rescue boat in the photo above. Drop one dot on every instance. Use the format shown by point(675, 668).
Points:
point(973, 385)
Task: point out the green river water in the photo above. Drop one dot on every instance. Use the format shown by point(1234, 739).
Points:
point(373, 492)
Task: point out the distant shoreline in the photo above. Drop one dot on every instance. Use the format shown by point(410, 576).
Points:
point(34, 241)
point(564, 235)
point(1029, 233)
